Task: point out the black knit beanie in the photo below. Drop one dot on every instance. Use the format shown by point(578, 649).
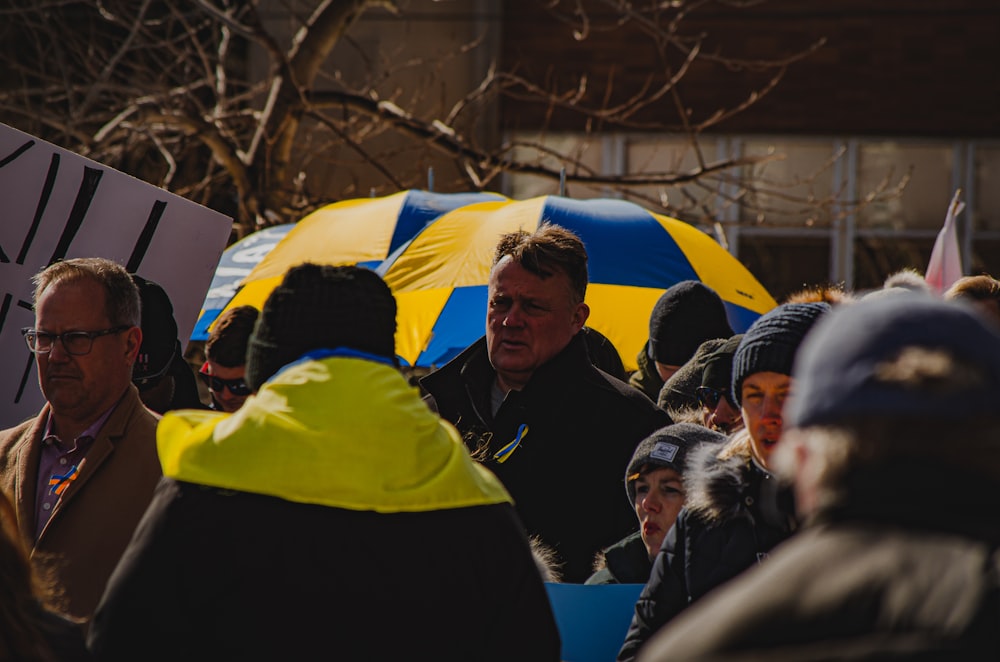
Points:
point(668, 447)
point(686, 315)
point(769, 345)
point(321, 307)
point(159, 334)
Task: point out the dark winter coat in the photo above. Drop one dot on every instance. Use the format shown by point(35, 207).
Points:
point(582, 428)
point(625, 562)
point(210, 574)
point(905, 572)
point(646, 378)
point(733, 517)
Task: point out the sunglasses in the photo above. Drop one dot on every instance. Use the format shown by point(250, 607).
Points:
point(216, 384)
point(710, 397)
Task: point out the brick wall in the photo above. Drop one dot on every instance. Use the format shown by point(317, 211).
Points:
point(888, 67)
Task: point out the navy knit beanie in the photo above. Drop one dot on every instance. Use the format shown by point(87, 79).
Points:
point(321, 307)
point(686, 315)
point(769, 345)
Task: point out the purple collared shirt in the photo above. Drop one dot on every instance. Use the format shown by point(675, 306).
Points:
point(58, 465)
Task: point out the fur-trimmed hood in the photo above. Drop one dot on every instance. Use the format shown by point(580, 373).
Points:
point(718, 481)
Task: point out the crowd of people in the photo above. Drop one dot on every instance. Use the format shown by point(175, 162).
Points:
point(820, 486)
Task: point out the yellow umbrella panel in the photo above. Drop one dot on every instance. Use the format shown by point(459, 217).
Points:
point(361, 231)
point(440, 279)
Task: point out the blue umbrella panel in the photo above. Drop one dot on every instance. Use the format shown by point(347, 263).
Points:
point(235, 264)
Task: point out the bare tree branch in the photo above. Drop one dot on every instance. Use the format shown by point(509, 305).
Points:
point(163, 90)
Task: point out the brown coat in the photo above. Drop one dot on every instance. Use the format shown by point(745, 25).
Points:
point(93, 521)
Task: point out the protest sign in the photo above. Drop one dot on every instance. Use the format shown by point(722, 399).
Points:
point(59, 205)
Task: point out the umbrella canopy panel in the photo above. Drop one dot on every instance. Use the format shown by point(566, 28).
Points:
point(236, 263)
point(361, 231)
point(440, 278)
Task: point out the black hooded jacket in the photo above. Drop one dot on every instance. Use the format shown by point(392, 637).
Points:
point(566, 476)
point(625, 562)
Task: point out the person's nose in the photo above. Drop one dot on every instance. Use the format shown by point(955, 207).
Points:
point(514, 316)
point(723, 412)
point(651, 502)
point(772, 406)
point(57, 352)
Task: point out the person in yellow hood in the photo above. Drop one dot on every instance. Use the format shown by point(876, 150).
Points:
point(333, 515)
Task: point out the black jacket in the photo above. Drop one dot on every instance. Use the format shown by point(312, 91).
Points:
point(567, 475)
point(734, 515)
point(625, 562)
point(216, 567)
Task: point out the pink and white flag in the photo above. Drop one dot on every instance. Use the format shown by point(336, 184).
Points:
point(945, 266)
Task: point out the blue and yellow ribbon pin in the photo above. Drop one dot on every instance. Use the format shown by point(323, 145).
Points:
point(504, 453)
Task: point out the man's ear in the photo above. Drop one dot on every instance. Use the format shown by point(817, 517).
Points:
point(580, 315)
point(133, 341)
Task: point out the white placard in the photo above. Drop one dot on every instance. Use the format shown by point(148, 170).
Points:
point(56, 204)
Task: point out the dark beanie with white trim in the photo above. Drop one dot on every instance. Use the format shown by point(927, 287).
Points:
point(668, 448)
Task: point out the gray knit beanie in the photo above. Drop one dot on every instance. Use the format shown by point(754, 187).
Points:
point(321, 307)
point(769, 345)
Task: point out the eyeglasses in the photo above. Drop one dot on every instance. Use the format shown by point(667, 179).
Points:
point(236, 386)
point(710, 397)
point(76, 343)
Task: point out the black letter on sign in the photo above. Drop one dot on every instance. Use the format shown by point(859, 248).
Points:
point(50, 180)
point(91, 178)
point(142, 243)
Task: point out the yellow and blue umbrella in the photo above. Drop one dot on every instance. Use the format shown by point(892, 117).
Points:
point(440, 278)
point(361, 231)
point(236, 263)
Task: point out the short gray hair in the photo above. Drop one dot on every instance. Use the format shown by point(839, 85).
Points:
point(123, 306)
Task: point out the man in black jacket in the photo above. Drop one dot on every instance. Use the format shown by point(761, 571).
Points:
point(556, 430)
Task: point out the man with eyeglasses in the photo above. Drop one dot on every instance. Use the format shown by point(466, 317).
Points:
point(226, 354)
point(82, 472)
